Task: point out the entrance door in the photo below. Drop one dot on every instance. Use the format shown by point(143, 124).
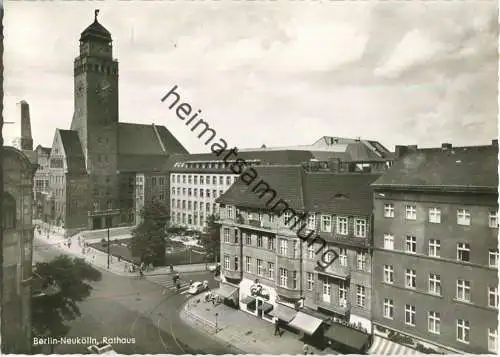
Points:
point(326, 291)
point(259, 308)
point(96, 223)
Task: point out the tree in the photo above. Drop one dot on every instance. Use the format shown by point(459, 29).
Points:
point(211, 238)
point(148, 238)
point(50, 312)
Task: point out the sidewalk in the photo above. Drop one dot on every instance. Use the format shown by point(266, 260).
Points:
point(243, 331)
point(99, 258)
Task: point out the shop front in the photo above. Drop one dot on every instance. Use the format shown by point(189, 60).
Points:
point(347, 340)
point(228, 293)
point(257, 299)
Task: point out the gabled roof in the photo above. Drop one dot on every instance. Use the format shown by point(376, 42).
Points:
point(339, 193)
point(460, 168)
point(43, 149)
point(140, 139)
point(285, 180)
point(75, 159)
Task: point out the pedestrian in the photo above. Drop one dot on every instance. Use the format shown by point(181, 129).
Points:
point(306, 348)
point(141, 274)
point(277, 328)
point(125, 267)
point(93, 257)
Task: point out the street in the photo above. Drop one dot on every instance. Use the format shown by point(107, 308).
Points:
point(131, 307)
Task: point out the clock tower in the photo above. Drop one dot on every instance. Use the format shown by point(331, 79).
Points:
point(95, 117)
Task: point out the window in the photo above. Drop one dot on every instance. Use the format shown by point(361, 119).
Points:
point(214, 180)
point(361, 261)
point(221, 180)
point(342, 257)
point(195, 179)
point(342, 293)
point(207, 192)
point(228, 180)
point(248, 239)
point(388, 241)
point(189, 179)
point(492, 340)
point(389, 210)
point(294, 279)
point(463, 331)
point(493, 258)
point(326, 290)
point(260, 271)
point(463, 252)
point(9, 212)
point(388, 308)
point(270, 270)
point(236, 265)
point(283, 277)
point(296, 249)
point(283, 247)
point(287, 216)
point(202, 180)
point(270, 243)
point(434, 247)
point(410, 314)
point(360, 228)
point(326, 223)
point(435, 284)
point(227, 235)
point(259, 241)
point(248, 264)
point(227, 262)
point(434, 322)
point(360, 295)
point(463, 290)
point(342, 225)
point(463, 217)
point(311, 221)
point(434, 215)
point(493, 296)
point(411, 278)
point(310, 281)
point(411, 244)
point(311, 254)
point(388, 274)
point(411, 212)
point(493, 221)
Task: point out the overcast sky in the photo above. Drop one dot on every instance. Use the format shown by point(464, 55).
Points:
point(275, 73)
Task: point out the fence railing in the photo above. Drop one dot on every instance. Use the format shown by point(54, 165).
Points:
point(209, 325)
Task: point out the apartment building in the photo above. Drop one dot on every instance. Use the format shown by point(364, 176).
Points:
point(41, 180)
point(276, 275)
point(435, 263)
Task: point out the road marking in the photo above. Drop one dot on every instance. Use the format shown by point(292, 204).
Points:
point(159, 334)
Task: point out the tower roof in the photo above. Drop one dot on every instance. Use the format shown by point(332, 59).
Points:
point(95, 31)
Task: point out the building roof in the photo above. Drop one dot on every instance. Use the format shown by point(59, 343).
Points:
point(460, 168)
point(342, 193)
point(287, 181)
point(43, 149)
point(96, 31)
point(141, 163)
point(75, 159)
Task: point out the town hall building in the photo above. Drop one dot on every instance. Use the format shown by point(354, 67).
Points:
point(93, 165)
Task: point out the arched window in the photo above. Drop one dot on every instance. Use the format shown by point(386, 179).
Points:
point(9, 212)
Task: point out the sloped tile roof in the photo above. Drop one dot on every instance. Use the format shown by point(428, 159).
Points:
point(140, 139)
point(285, 180)
point(462, 168)
point(141, 163)
point(75, 159)
point(342, 193)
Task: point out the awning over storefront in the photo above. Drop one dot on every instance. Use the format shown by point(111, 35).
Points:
point(283, 312)
point(306, 323)
point(226, 291)
point(265, 307)
point(347, 336)
point(247, 300)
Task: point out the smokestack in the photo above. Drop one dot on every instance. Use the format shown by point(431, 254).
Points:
point(26, 138)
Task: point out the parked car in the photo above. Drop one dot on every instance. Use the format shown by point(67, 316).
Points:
point(197, 287)
point(214, 267)
point(100, 349)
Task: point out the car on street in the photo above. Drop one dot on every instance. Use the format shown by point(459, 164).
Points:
point(213, 267)
point(198, 287)
point(100, 349)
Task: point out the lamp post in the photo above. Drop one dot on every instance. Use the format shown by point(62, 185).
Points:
point(216, 322)
point(108, 244)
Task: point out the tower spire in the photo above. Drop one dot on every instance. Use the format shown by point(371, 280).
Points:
point(96, 12)
point(26, 137)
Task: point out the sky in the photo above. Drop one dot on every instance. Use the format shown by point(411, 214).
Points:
point(277, 73)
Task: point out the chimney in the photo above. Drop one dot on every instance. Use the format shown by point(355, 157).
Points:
point(494, 143)
point(334, 164)
point(412, 147)
point(400, 151)
point(446, 146)
point(26, 138)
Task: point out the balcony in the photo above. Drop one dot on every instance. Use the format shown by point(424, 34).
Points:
point(232, 274)
point(288, 293)
point(335, 271)
point(335, 305)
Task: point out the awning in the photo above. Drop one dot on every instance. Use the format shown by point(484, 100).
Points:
point(226, 291)
point(384, 347)
point(347, 336)
point(283, 312)
point(265, 307)
point(306, 323)
point(247, 300)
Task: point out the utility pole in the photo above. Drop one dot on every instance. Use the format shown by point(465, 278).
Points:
point(108, 245)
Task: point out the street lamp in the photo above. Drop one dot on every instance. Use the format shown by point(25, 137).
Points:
point(216, 322)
